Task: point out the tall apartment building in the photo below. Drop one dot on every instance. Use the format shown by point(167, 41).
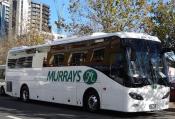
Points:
point(28, 15)
point(4, 18)
point(23, 16)
point(12, 18)
point(40, 17)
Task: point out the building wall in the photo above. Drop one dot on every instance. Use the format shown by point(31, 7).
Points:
point(23, 16)
point(40, 16)
point(4, 18)
point(29, 16)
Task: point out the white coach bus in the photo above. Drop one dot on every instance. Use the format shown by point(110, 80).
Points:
point(113, 71)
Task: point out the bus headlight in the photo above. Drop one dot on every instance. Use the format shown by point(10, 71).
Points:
point(135, 96)
point(165, 96)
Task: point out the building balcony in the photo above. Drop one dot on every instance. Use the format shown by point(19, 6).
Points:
point(45, 17)
point(46, 13)
point(46, 10)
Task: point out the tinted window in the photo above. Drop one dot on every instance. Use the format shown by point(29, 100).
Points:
point(11, 63)
point(20, 62)
point(23, 62)
point(28, 62)
point(59, 60)
point(78, 58)
point(98, 55)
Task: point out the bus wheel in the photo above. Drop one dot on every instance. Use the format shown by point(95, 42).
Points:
point(92, 102)
point(24, 94)
point(2, 91)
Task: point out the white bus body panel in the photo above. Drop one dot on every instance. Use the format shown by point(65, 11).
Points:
point(2, 83)
point(37, 58)
point(113, 96)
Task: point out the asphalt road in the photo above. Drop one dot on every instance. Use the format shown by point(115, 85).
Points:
point(11, 108)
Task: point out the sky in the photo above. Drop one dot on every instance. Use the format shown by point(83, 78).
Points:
point(56, 8)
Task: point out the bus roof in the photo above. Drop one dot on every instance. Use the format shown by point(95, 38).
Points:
point(73, 39)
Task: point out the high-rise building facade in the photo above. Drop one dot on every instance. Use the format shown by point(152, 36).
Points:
point(23, 16)
point(19, 15)
point(27, 16)
point(4, 18)
point(40, 17)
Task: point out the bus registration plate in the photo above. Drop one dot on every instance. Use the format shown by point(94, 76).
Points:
point(152, 106)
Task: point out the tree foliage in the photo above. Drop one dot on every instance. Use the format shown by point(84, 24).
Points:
point(164, 22)
point(106, 15)
point(29, 39)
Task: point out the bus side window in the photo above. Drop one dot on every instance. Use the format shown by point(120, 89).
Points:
point(49, 62)
point(44, 62)
point(117, 61)
point(28, 62)
point(54, 60)
point(11, 63)
point(24, 62)
point(19, 63)
point(58, 60)
point(98, 55)
point(78, 59)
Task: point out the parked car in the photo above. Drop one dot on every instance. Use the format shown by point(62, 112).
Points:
point(2, 79)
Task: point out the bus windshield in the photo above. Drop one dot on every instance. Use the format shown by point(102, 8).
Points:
point(145, 62)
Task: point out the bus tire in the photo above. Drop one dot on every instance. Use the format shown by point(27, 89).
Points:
point(24, 95)
point(2, 91)
point(92, 101)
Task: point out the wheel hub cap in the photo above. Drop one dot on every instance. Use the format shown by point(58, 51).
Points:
point(92, 102)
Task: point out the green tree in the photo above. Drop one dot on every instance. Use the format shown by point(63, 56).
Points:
point(106, 15)
point(163, 17)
